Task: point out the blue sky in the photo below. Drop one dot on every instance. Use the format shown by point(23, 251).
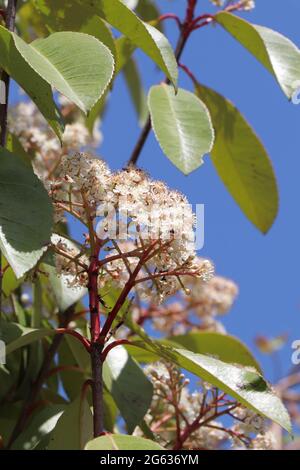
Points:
point(264, 267)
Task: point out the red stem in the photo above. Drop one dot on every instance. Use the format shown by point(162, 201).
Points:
point(94, 302)
point(65, 331)
point(123, 296)
point(189, 73)
point(113, 345)
point(170, 16)
point(190, 11)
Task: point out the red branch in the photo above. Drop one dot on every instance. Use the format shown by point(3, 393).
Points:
point(65, 331)
point(123, 296)
point(189, 73)
point(94, 302)
point(113, 345)
point(170, 16)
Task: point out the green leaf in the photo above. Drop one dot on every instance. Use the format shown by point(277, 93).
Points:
point(128, 385)
point(74, 427)
point(96, 27)
point(19, 311)
point(16, 336)
point(79, 352)
point(182, 126)
point(74, 18)
point(241, 161)
point(278, 54)
point(39, 428)
point(144, 36)
point(26, 214)
point(72, 380)
point(110, 411)
point(148, 11)
point(83, 80)
point(31, 82)
point(135, 87)
point(224, 347)
point(241, 382)
point(121, 442)
point(8, 418)
point(124, 50)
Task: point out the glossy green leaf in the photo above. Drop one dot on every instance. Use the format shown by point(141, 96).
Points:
point(110, 411)
point(182, 126)
point(74, 428)
point(60, 15)
point(96, 27)
point(128, 385)
point(276, 52)
point(83, 80)
point(136, 90)
point(148, 11)
point(121, 442)
point(224, 347)
point(65, 295)
point(144, 36)
point(31, 82)
point(124, 50)
point(79, 352)
point(8, 418)
point(39, 428)
point(16, 336)
point(26, 214)
point(241, 161)
point(71, 380)
point(241, 382)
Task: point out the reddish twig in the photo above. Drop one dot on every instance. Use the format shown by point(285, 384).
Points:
point(123, 296)
point(185, 32)
point(113, 345)
point(94, 303)
point(170, 16)
point(188, 72)
point(84, 341)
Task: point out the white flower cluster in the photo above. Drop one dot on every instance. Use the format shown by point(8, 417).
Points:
point(200, 307)
point(243, 4)
point(210, 300)
point(157, 221)
point(171, 392)
point(71, 267)
point(248, 422)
